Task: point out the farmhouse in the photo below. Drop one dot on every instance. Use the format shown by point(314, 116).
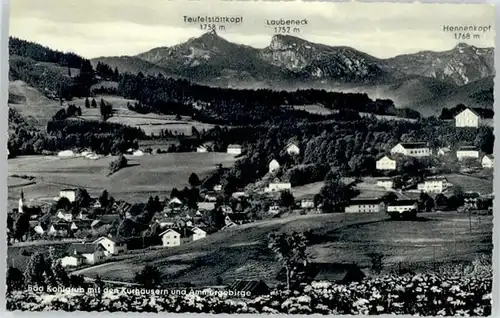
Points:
point(176, 237)
point(471, 118)
point(412, 149)
point(340, 273)
point(274, 165)
point(292, 149)
point(307, 203)
point(72, 260)
point(467, 152)
point(402, 206)
point(234, 149)
point(91, 253)
point(365, 206)
point(488, 161)
point(386, 163)
point(386, 183)
point(70, 194)
point(277, 185)
point(435, 184)
point(112, 245)
point(198, 233)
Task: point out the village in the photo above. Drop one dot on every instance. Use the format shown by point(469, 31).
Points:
point(94, 228)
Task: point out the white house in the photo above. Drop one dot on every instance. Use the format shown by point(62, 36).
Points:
point(70, 194)
point(488, 161)
point(64, 215)
point(112, 245)
point(292, 149)
point(386, 163)
point(202, 148)
point(307, 203)
point(444, 151)
point(39, 229)
point(276, 186)
point(72, 260)
point(91, 253)
point(386, 183)
point(198, 233)
point(402, 206)
point(412, 149)
point(171, 237)
point(435, 184)
point(174, 202)
point(365, 206)
point(467, 152)
point(218, 187)
point(234, 149)
point(467, 118)
point(274, 165)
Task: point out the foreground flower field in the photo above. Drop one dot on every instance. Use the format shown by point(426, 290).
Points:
point(424, 295)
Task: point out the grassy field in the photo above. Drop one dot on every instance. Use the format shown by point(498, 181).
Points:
point(470, 183)
point(241, 252)
point(150, 123)
point(147, 175)
point(32, 104)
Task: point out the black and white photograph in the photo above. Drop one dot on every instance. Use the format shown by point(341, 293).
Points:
point(253, 157)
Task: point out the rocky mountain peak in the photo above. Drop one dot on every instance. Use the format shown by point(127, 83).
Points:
point(284, 42)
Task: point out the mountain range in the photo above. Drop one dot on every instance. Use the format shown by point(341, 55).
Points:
point(420, 80)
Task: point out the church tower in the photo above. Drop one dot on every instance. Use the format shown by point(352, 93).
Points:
point(21, 202)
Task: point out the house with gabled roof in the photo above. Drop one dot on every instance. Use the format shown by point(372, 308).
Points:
point(59, 229)
point(386, 163)
point(292, 148)
point(476, 117)
point(412, 149)
point(470, 152)
point(176, 237)
point(112, 245)
point(234, 149)
point(488, 161)
point(274, 165)
point(92, 253)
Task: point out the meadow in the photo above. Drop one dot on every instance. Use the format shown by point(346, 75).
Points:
point(147, 175)
point(241, 252)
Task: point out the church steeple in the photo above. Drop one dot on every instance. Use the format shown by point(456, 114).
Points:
point(21, 202)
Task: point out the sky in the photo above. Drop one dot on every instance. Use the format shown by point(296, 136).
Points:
point(94, 28)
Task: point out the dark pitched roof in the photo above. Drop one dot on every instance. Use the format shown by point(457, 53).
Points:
point(61, 226)
point(83, 248)
point(108, 218)
point(365, 201)
point(467, 148)
point(402, 202)
point(83, 223)
point(413, 145)
point(116, 239)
